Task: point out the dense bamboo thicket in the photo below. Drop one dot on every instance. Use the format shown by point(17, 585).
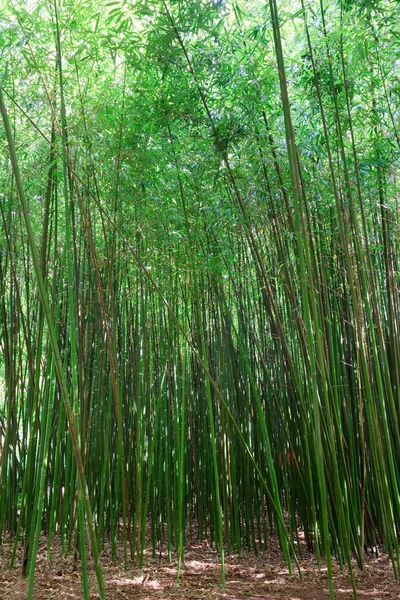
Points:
point(199, 274)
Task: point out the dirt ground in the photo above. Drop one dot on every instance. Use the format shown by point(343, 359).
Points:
point(247, 576)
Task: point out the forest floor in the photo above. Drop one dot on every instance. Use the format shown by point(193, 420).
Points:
point(247, 576)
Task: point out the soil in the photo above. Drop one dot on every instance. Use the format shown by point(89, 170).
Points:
point(247, 576)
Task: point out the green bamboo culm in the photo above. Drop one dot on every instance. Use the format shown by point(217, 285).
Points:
point(54, 346)
point(307, 288)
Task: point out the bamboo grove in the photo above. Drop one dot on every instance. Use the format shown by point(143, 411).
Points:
point(199, 273)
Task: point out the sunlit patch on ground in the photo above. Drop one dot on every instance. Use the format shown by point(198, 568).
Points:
point(137, 581)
